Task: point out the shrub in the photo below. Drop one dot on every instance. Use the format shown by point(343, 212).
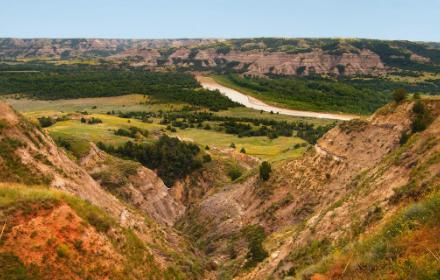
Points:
point(243, 150)
point(63, 251)
point(399, 95)
point(422, 117)
point(94, 120)
point(99, 223)
point(207, 158)
point(234, 173)
point(404, 138)
point(46, 121)
point(255, 236)
point(418, 107)
point(265, 170)
point(78, 244)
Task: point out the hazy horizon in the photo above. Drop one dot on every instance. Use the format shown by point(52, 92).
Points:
point(221, 19)
point(212, 38)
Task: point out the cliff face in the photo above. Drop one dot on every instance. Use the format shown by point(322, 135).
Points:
point(137, 185)
point(252, 56)
point(279, 63)
point(11, 48)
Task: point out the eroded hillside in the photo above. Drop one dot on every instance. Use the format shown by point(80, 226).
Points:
point(253, 56)
point(361, 203)
point(352, 182)
point(132, 229)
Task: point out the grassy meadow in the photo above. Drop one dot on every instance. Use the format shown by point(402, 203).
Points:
point(79, 134)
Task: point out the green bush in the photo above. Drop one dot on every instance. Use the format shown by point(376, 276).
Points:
point(399, 95)
point(422, 117)
point(46, 121)
point(98, 222)
point(234, 172)
point(265, 170)
point(207, 158)
point(255, 236)
point(63, 251)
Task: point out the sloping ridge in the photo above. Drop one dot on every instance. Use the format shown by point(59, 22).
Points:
point(343, 187)
point(29, 157)
point(350, 191)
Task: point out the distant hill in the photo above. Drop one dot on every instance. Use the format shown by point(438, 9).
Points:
point(254, 56)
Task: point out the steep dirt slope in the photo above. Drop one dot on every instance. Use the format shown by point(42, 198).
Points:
point(50, 235)
point(316, 198)
point(134, 183)
point(29, 156)
point(341, 203)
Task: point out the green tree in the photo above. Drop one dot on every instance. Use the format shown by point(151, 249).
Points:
point(265, 170)
point(255, 236)
point(399, 95)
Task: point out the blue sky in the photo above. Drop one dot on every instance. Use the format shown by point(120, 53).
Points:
point(382, 19)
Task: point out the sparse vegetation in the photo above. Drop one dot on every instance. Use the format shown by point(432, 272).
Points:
point(12, 268)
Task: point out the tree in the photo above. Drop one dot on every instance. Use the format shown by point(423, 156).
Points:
point(399, 95)
point(422, 117)
point(418, 107)
point(46, 121)
point(265, 170)
point(255, 236)
point(207, 158)
point(234, 173)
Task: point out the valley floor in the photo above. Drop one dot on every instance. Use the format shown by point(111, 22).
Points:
point(254, 103)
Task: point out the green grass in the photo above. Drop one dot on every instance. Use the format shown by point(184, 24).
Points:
point(74, 129)
point(79, 134)
point(124, 103)
point(262, 147)
point(243, 112)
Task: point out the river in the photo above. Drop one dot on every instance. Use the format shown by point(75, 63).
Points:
point(251, 102)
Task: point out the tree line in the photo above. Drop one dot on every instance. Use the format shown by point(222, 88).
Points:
point(242, 127)
point(171, 158)
point(79, 82)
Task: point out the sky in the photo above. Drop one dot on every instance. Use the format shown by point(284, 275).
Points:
point(417, 20)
